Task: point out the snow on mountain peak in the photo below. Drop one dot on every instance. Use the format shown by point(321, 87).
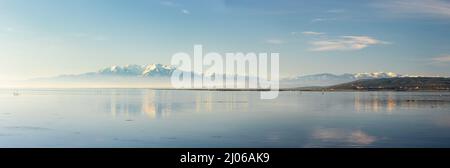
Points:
point(376, 75)
point(138, 70)
point(158, 70)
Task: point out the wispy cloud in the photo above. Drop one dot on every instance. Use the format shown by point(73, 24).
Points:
point(274, 41)
point(322, 19)
point(345, 43)
point(175, 5)
point(312, 33)
point(441, 59)
point(318, 19)
point(169, 3)
point(439, 8)
point(185, 11)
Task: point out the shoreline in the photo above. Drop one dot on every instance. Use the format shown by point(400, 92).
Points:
point(234, 90)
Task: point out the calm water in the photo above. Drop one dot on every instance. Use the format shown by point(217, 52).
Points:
point(149, 118)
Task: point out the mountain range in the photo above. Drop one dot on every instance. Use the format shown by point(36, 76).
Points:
point(151, 70)
point(386, 84)
point(158, 75)
point(397, 84)
point(328, 79)
point(135, 76)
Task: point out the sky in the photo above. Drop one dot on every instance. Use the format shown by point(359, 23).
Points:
point(44, 38)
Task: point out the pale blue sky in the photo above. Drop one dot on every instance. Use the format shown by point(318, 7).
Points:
point(41, 38)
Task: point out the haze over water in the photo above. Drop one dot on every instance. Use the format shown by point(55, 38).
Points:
point(176, 118)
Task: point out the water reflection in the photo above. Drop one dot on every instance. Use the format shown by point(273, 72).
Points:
point(157, 104)
point(74, 118)
point(374, 102)
point(443, 121)
point(153, 104)
point(344, 136)
point(391, 101)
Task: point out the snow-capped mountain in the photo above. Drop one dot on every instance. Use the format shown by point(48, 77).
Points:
point(328, 79)
point(134, 76)
point(159, 74)
point(151, 70)
point(376, 75)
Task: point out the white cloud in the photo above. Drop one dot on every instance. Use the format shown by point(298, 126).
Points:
point(318, 19)
point(275, 41)
point(322, 19)
point(441, 59)
point(345, 43)
point(169, 3)
point(176, 6)
point(312, 33)
point(185, 11)
point(439, 8)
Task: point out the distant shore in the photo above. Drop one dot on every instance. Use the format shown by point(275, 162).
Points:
point(244, 90)
point(308, 90)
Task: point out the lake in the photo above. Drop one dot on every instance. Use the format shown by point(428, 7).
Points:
point(177, 118)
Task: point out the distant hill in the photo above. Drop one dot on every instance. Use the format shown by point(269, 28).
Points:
point(127, 76)
point(328, 79)
point(159, 75)
point(397, 84)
